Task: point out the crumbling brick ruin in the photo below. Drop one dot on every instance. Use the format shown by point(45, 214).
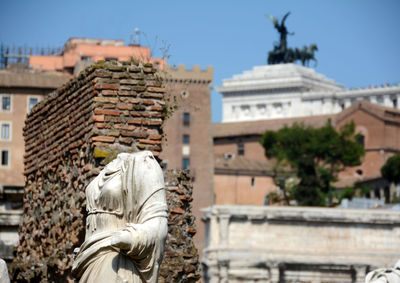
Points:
point(110, 107)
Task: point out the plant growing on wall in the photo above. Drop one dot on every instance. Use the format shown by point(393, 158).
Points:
point(317, 155)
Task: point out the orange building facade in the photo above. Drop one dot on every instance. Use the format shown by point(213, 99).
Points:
point(78, 52)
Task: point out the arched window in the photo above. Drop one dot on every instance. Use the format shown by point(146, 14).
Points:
point(361, 140)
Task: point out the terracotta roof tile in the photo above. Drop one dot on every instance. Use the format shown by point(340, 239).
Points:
point(381, 112)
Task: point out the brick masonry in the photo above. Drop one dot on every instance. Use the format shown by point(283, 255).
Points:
point(181, 261)
point(69, 137)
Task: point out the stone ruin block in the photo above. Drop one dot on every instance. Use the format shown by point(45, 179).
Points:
point(111, 107)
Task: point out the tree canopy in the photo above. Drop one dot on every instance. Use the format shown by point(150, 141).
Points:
point(317, 155)
point(391, 169)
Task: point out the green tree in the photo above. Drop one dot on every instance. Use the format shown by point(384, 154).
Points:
point(391, 169)
point(317, 155)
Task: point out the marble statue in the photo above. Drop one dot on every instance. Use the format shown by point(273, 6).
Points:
point(4, 278)
point(384, 275)
point(126, 226)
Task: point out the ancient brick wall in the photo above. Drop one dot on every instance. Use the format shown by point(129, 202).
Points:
point(181, 261)
point(109, 108)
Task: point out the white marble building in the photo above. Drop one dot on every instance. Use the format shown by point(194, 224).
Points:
point(290, 90)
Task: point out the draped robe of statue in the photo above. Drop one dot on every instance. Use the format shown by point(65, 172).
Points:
point(129, 196)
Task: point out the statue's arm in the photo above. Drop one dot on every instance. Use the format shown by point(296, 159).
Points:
point(149, 229)
point(273, 20)
point(284, 18)
point(139, 239)
point(136, 238)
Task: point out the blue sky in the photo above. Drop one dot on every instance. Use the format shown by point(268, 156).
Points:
point(358, 40)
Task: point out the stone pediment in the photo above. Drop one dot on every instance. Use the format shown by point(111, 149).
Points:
point(277, 77)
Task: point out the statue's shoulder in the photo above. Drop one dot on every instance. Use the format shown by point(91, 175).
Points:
point(136, 155)
point(143, 154)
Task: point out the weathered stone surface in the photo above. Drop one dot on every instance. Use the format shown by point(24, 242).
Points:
point(299, 244)
point(181, 263)
point(4, 278)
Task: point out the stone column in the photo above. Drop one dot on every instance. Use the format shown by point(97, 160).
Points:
point(337, 106)
point(382, 193)
point(223, 229)
point(275, 273)
point(328, 105)
point(360, 274)
point(227, 112)
point(392, 191)
point(347, 102)
point(213, 274)
point(252, 111)
point(267, 110)
point(223, 271)
point(387, 101)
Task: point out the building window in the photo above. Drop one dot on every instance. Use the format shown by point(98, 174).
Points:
point(4, 158)
point(185, 163)
point(6, 103)
point(240, 150)
point(32, 101)
point(186, 119)
point(5, 131)
point(360, 140)
point(111, 59)
point(394, 102)
point(186, 139)
point(164, 165)
point(86, 58)
point(253, 181)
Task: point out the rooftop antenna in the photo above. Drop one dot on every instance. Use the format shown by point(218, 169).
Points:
point(137, 37)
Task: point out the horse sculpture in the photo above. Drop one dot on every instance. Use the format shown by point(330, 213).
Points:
point(306, 54)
